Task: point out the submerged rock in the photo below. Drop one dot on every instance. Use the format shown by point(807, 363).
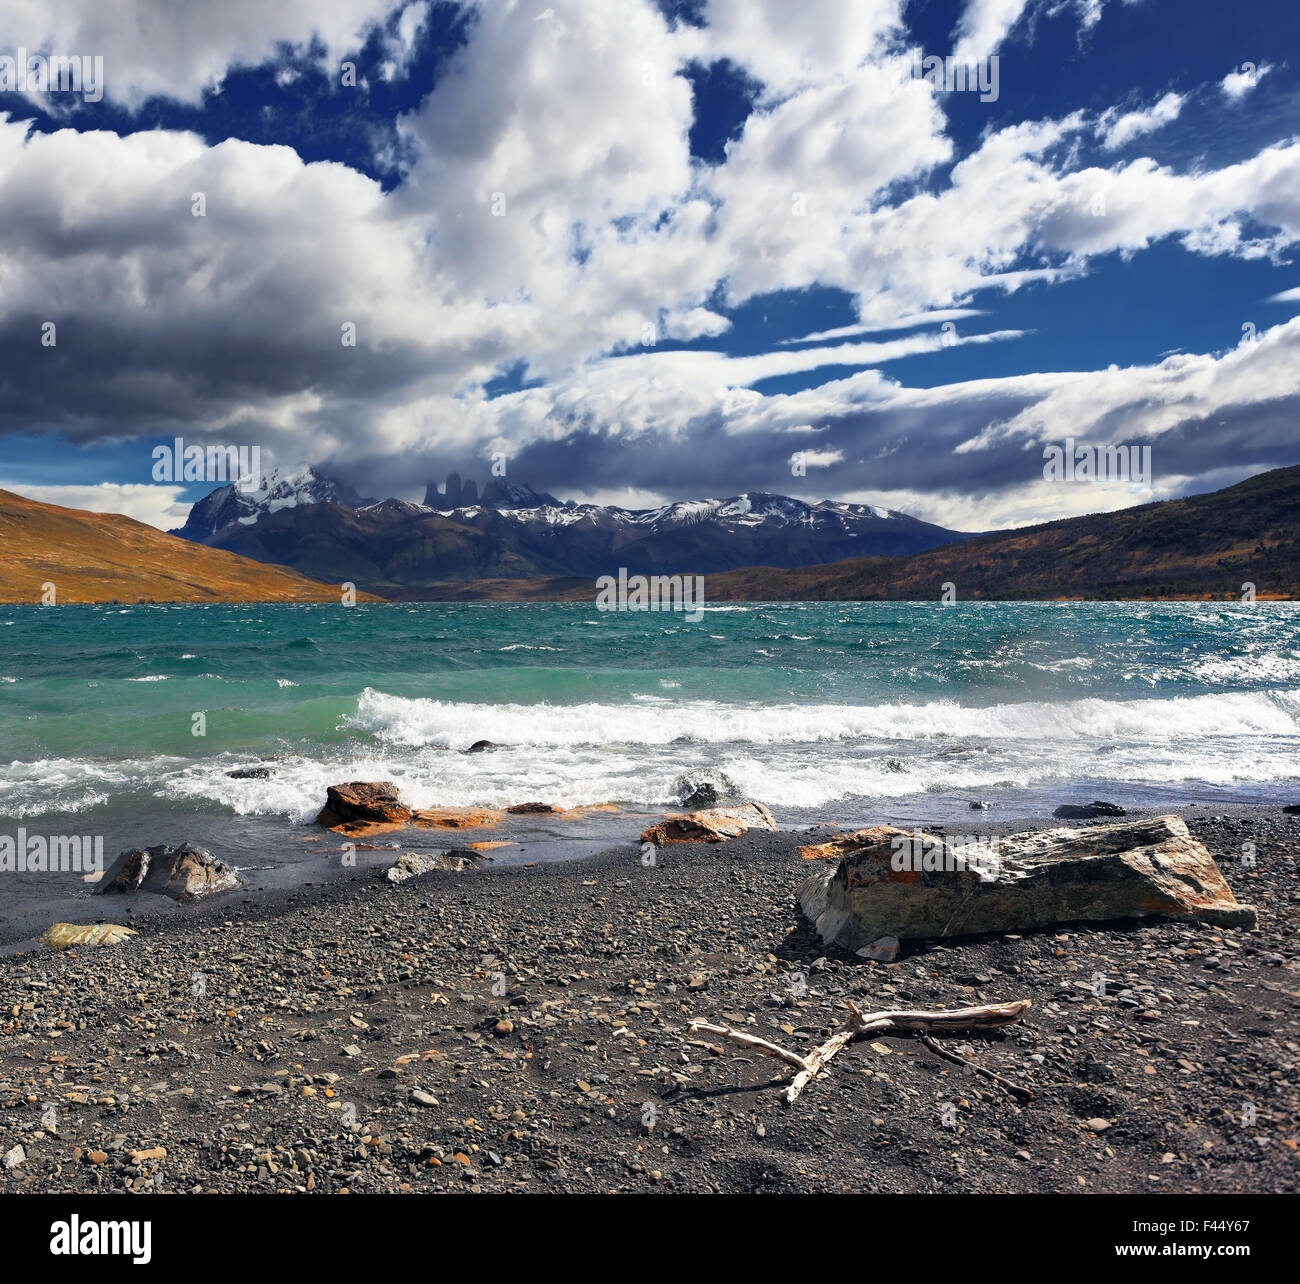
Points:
point(362, 807)
point(713, 825)
point(1139, 869)
point(532, 809)
point(249, 773)
point(63, 936)
point(482, 746)
point(1087, 811)
point(455, 818)
point(703, 787)
point(185, 873)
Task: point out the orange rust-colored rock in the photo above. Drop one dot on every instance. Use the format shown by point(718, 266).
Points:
point(361, 808)
point(713, 825)
point(592, 809)
point(843, 844)
point(454, 818)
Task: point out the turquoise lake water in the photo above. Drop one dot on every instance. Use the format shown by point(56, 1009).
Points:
point(823, 711)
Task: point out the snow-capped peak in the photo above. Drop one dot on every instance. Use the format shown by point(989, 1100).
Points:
point(280, 488)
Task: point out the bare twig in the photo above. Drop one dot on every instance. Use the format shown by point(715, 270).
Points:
point(1021, 1094)
point(989, 1016)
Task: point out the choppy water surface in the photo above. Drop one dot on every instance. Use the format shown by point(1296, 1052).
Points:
point(825, 711)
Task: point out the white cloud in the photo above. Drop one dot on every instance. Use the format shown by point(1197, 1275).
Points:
point(160, 506)
point(817, 458)
point(179, 50)
point(698, 323)
point(984, 25)
point(1239, 82)
point(794, 46)
point(1118, 130)
point(937, 317)
point(551, 213)
point(1144, 403)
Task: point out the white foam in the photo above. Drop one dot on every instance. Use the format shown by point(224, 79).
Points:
point(403, 721)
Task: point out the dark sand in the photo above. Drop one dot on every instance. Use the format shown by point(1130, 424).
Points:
point(541, 1013)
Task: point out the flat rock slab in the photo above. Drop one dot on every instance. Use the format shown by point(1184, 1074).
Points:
point(918, 887)
point(185, 873)
point(63, 936)
point(713, 825)
point(455, 818)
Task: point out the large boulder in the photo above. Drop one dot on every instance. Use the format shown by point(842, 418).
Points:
point(363, 807)
point(917, 887)
point(185, 873)
point(713, 825)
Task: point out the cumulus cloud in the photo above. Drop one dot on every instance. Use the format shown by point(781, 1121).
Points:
point(789, 47)
point(179, 50)
point(551, 221)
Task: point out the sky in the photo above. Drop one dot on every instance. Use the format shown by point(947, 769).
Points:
point(641, 251)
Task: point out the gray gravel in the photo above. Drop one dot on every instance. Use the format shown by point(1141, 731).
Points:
point(525, 1029)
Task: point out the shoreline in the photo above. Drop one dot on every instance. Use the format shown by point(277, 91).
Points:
point(548, 1006)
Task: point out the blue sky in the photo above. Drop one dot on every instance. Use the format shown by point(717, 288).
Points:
point(688, 191)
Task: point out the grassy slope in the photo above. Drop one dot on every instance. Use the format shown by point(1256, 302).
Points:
point(104, 557)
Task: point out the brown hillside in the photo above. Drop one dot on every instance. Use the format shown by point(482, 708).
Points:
point(104, 557)
point(1204, 546)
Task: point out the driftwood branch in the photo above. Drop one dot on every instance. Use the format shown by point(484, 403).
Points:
point(1020, 1094)
point(989, 1016)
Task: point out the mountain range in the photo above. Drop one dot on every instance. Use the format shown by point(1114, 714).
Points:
point(320, 527)
point(1200, 547)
